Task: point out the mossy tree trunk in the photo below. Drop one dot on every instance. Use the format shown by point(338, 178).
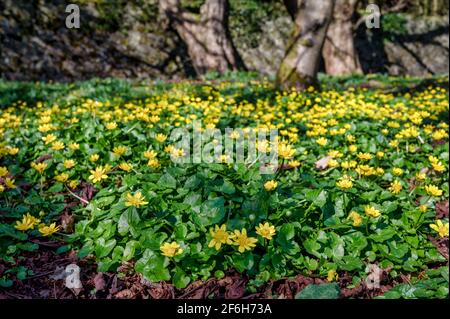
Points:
point(339, 53)
point(206, 35)
point(301, 62)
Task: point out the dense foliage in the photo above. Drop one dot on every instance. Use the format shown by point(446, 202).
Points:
point(362, 173)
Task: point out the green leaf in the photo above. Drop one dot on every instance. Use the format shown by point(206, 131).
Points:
point(167, 181)
point(211, 212)
point(153, 266)
point(103, 248)
point(180, 280)
point(323, 291)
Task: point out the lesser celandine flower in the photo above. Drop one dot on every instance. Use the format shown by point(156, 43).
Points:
point(171, 249)
point(3, 171)
point(63, 177)
point(160, 137)
point(153, 163)
point(111, 125)
point(69, 163)
point(39, 167)
point(332, 275)
point(119, 150)
point(150, 154)
point(286, 151)
point(219, 236)
point(397, 171)
point(433, 190)
point(74, 146)
point(48, 230)
point(94, 157)
point(395, 187)
point(270, 185)
point(355, 218)
point(58, 145)
point(9, 182)
point(364, 156)
point(265, 230)
point(136, 200)
point(243, 242)
point(28, 222)
point(440, 228)
point(345, 182)
point(322, 141)
point(49, 138)
point(98, 174)
point(125, 167)
point(372, 211)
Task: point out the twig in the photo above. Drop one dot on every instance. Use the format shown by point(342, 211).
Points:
point(76, 196)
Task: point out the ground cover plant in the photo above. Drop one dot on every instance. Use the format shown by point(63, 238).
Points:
point(361, 186)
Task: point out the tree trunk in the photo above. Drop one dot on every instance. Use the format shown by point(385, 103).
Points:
point(339, 52)
point(301, 62)
point(206, 36)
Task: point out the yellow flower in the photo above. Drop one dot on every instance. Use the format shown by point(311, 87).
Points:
point(73, 184)
point(438, 167)
point(350, 138)
point(13, 151)
point(294, 163)
point(433, 190)
point(150, 154)
point(356, 218)
point(171, 249)
point(423, 208)
point(177, 152)
point(380, 154)
point(372, 211)
point(353, 148)
point(243, 242)
point(395, 187)
point(9, 183)
point(94, 157)
point(421, 176)
point(135, 200)
point(57, 146)
point(219, 236)
point(69, 163)
point(98, 174)
point(440, 228)
point(286, 151)
point(111, 125)
point(2, 188)
point(125, 166)
point(322, 141)
point(265, 230)
point(3, 171)
point(234, 135)
point(270, 185)
point(28, 222)
point(364, 156)
point(160, 137)
point(344, 182)
point(62, 177)
point(332, 275)
point(397, 171)
point(48, 230)
point(153, 163)
point(74, 146)
point(119, 150)
point(40, 167)
point(49, 138)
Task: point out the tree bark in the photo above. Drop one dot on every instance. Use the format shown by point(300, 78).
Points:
point(301, 62)
point(206, 36)
point(339, 51)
